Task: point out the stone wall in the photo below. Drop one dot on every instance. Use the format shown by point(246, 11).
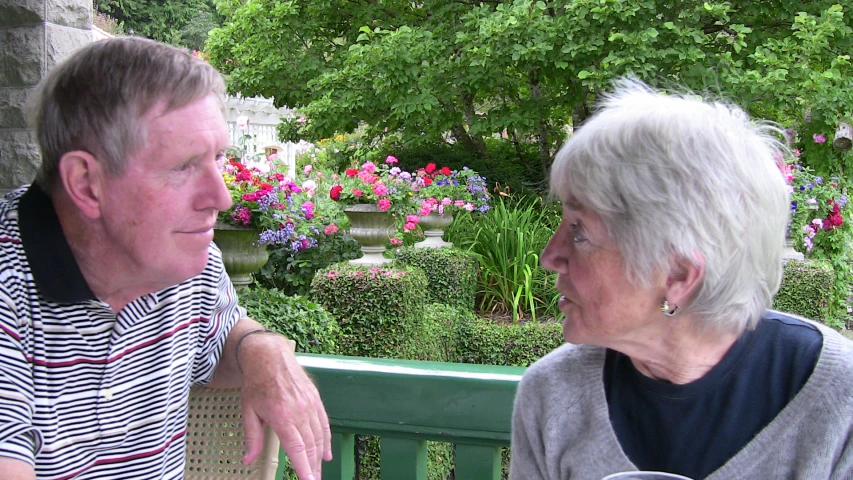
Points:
point(34, 35)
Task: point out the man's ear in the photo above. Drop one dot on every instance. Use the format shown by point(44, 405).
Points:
point(82, 178)
point(685, 277)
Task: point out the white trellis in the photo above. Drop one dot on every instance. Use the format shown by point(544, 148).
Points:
point(263, 119)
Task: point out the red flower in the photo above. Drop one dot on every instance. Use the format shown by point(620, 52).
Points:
point(239, 166)
point(251, 197)
point(335, 192)
point(427, 181)
point(446, 171)
point(265, 186)
point(430, 168)
point(832, 221)
point(351, 172)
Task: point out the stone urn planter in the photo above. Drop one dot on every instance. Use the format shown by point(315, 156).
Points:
point(372, 228)
point(241, 253)
point(434, 226)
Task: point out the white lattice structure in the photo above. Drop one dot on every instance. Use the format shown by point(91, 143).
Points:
point(263, 118)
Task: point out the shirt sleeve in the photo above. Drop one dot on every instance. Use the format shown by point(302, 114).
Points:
point(226, 312)
point(19, 439)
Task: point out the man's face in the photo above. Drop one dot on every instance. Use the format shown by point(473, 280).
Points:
point(159, 213)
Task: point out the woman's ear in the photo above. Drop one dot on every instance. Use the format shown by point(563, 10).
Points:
point(685, 276)
point(81, 176)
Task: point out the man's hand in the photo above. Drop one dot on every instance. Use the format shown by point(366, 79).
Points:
point(16, 469)
point(276, 391)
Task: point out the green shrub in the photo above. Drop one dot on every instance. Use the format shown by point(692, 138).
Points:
point(451, 274)
point(507, 241)
point(484, 342)
point(806, 290)
point(297, 318)
point(377, 308)
point(381, 314)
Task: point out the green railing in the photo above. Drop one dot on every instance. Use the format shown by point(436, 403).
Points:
point(406, 403)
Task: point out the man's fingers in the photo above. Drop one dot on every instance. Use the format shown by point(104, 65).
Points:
point(327, 433)
point(315, 449)
point(294, 446)
point(253, 434)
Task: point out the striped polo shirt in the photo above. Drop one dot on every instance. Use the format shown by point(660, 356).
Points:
point(85, 392)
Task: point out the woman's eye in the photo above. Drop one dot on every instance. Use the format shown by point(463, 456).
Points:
point(577, 234)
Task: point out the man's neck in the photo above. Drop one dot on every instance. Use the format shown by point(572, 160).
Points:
point(109, 276)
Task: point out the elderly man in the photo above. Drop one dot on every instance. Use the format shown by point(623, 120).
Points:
point(113, 300)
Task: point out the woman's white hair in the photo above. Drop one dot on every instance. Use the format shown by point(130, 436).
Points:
point(673, 176)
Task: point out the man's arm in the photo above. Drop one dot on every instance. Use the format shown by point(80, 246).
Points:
point(14, 469)
point(276, 391)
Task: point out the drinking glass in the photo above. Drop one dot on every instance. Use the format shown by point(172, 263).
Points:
point(645, 476)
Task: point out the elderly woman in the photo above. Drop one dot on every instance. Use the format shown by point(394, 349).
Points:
point(667, 258)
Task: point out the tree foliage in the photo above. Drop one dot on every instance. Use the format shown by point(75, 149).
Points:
point(472, 69)
point(163, 19)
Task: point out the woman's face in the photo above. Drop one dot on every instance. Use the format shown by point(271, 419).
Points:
point(601, 306)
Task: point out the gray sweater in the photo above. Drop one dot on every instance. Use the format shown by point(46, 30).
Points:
point(561, 427)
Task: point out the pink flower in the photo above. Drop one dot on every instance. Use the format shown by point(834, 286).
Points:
point(384, 204)
point(412, 219)
point(369, 167)
point(424, 212)
point(469, 207)
point(459, 203)
point(797, 153)
point(356, 192)
point(331, 229)
point(396, 241)
point(308, 169)
point(391, 159)
point(819, 138)
point(380, 189)
point(242, 122)
point(409, 227)
point(446, 201)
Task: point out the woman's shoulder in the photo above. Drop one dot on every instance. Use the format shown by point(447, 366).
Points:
point(566, 365)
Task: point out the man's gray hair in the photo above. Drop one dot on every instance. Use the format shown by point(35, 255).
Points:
point(675, 175)
point(95, 99)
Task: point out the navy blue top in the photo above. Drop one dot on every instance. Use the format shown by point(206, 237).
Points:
point(694, 429)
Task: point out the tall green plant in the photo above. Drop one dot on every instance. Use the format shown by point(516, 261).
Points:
point(507, 242)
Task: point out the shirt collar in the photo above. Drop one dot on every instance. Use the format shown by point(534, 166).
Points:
point(55, 270)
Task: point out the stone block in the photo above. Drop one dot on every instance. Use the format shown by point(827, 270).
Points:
point(63, 41)
point(19, 157)
point(22, 56)
point(70, 13)
point(22, 12)
point(13, 102)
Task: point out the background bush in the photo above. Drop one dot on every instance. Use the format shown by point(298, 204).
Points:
point(507, 241)
point(297, 318)
point(381, 312)
point(292, 272)
point(503, 167)
point(806, 290)
point(482, 341)
point(451, 273)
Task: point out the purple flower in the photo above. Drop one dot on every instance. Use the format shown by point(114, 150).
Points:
point(819, 138)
